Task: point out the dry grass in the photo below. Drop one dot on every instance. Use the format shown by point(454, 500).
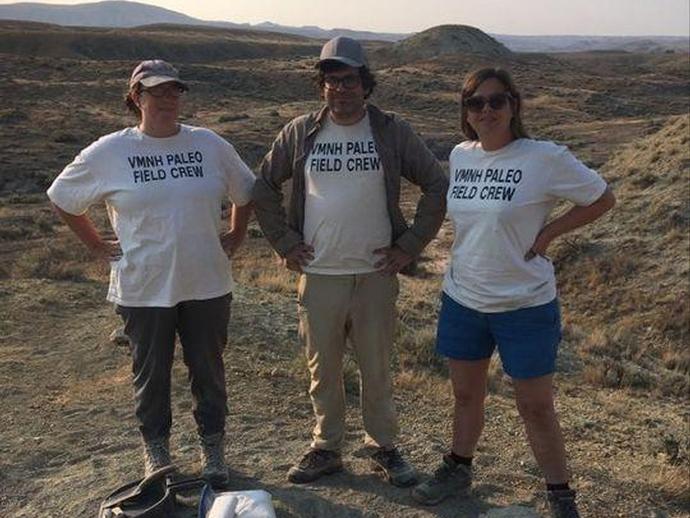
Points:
point(273, 278)
point(421, 382)
point(673, 482)
point(626, 279)
point(21, 220)
point(58, 261)
point(257, 264)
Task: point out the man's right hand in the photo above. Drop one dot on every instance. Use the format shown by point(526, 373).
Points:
point(300, 255)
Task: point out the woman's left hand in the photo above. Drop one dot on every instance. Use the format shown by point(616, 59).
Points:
point(576, 217)
point(231, 241)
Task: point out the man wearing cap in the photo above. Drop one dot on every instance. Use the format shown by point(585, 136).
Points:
point(345, 233)
point(163, 184)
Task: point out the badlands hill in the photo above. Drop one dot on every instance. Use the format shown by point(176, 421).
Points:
point(171, 42)
point(448, 40)
point(117, 13)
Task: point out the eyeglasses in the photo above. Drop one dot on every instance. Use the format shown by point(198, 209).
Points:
point(495, 101)
point(348, 82)
point(160, 91)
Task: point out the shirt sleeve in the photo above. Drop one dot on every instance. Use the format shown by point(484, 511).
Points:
point(77, 187)
point(238, 175)
point(572, 180)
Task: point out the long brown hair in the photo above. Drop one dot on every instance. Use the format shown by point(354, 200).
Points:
point(470, 86)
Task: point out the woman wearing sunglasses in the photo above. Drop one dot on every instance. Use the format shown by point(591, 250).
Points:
point(499, 290)
point(164, 184)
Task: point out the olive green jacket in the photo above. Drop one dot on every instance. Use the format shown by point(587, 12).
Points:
point(402, 154)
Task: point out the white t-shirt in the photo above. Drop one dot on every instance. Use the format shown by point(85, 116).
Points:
point(498, 202)
point(345, 212)
point(163, 197)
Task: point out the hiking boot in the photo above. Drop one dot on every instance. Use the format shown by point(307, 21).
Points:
point(156, 454)
point(315, 464)
point(450, 478)
point(213, 467)
point(562, 503)
point(396, 469)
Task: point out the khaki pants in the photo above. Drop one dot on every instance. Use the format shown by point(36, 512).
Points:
point(361, 308)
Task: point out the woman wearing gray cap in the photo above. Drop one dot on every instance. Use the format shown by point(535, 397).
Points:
point(163, 184)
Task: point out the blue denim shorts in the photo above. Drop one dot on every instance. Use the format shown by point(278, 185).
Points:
point(527, 338)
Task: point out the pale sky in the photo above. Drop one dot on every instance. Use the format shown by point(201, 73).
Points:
point(537, 17)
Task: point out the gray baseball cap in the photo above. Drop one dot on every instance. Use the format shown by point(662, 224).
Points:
point(345, 50)
point(153, 72)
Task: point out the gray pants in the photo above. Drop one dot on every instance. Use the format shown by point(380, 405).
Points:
point(202, 326)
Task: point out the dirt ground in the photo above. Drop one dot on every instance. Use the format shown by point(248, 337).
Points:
point(69, 436)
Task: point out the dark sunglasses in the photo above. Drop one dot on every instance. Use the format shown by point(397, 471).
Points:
point(348, 82)
point(175, 90)
point(496, 101)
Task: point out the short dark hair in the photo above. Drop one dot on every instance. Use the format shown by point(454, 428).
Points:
point(472, 82)
point(365, 75)
point(129, 100)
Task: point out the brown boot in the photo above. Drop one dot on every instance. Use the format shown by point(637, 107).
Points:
point(156, 454)
point(315, 464)
point(213, 467)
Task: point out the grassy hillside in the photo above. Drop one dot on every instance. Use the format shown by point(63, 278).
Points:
point(445, 40)
point(626, 280)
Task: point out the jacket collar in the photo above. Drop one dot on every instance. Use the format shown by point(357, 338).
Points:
point(377, 118)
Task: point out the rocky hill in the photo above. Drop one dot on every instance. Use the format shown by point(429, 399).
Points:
point(448, 40)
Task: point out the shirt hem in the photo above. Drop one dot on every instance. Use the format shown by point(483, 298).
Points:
point(331, 271)
point(498, 308)
point(594, 198)
point(165, 303)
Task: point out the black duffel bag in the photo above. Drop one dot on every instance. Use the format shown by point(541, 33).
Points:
point(152, 497)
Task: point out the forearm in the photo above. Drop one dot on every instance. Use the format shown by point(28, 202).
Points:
point(423, 170)
point(579, 216)
point(272, 218)
point(83, 228)
point(239, 219)
point(275, 170)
